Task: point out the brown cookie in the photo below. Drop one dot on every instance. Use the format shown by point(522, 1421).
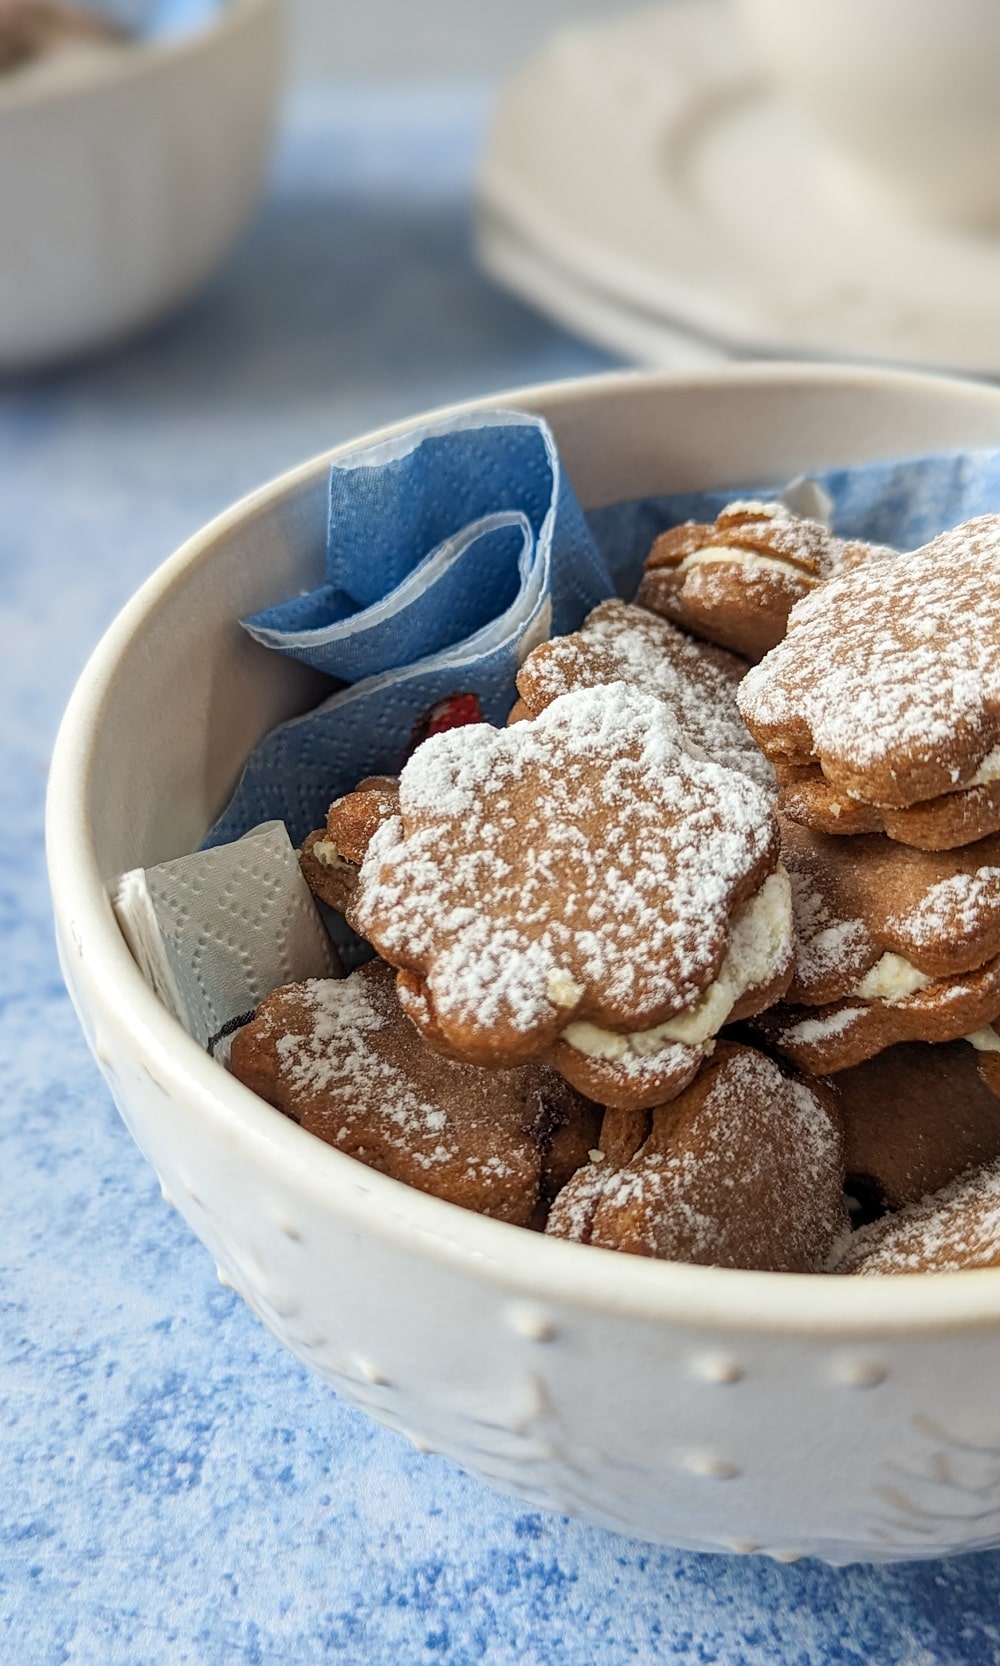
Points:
point(578, 887)
point(806, 796)
point(986, 1043)
point(330, 857)
point(889, 680)
point(915, 1118)
point(736, 580)
point(943, 823)
point(953, 1230)
point(619, 643)
point(935, 915)
point(743, 1169)
point(566, 1129)
point(341, 1058)
point(328, 875)
point(826, 1039)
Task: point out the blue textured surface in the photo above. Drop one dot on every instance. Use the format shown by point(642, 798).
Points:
point(174, 1490)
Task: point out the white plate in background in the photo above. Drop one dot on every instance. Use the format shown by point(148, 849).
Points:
point(641, 179)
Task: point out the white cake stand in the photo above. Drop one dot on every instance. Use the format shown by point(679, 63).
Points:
point(644, 186)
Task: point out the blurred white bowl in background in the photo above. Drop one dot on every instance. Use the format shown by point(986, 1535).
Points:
point(123, 181)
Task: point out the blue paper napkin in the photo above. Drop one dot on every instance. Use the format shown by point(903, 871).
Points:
point(454, 551)
point(903, 503)
point(451, 553)
point(437, 535)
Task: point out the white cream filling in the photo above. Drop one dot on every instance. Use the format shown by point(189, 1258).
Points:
point(891, 979)
point(985, 1040)
point(561, 989)
point(760, 939)
point(740, 558)
point(326, 852)
point(988, 771)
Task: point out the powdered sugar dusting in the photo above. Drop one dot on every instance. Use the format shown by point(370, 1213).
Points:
point(823, 944)
point(336, 1057)
point(618, 642)
point(953, 907)
point(586, 842)
point(956, 1228)
point(894, 664)
point(809, 1030)
point(799, 541)
point(658, 1189)
point(748, 1083)
point(745, 1174)
point(343, 1060)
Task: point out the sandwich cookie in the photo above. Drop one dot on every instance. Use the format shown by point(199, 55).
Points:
point(579, 888)
point(735, 580)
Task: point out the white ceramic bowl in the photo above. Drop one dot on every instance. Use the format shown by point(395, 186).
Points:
point(121, 188)
point(718, 1410)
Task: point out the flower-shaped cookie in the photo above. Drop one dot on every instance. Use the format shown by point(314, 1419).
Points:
point(620, 643)
point(339, 1057)
point(330, 857)
point(743, 1169)
point(953, 1229)
point(734, 581)
point(915, 1118)
point(870, 912)
point(892, 945)
point(887, 688)
point(825, 1039)
point(579, 887)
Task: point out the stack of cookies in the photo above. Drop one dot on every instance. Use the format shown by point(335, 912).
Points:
point(880, 711)
point(643, 963)
point(735, 580)
point(566, 912)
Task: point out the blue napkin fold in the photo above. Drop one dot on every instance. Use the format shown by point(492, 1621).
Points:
point(904, 503)
point(455, 550)
point(469, 580)
point(421, 546)
point(451, 553)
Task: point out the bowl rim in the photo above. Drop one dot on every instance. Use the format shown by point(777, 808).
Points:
point(137, 59)
point(531, 1267)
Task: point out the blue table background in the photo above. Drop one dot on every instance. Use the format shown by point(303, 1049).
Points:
point(174, 1488)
